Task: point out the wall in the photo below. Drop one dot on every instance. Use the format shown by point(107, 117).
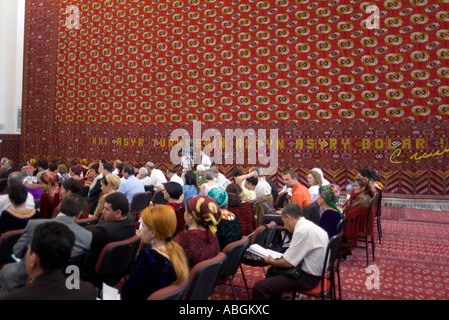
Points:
point(12, 15)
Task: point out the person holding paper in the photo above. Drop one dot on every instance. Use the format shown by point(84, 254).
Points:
point(306, 252)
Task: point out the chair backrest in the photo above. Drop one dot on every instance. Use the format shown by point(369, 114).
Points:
point(180, 222)
point(7, 242)
point(77, 258)
point(281, 200)
point(379, 204)
point(87, 222)
point(140, 200)
point(172, 292)
point(85, 191)
point(372, 213)
point(263, 235)
point(234, 252)
point(117, 257)
point(312, 213)
point(158, 197)
point(203, 277)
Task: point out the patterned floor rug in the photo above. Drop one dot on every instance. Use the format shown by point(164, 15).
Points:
point(411, 263)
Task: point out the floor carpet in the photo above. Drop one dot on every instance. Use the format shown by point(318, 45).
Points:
point(412, 261)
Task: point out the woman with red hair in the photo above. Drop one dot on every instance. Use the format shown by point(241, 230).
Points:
point(51, 198)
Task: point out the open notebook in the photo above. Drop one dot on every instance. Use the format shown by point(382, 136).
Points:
point(262, 252)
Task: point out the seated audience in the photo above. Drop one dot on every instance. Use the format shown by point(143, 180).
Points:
point(109, 184)
point(260, 175)
point(157, 177)
point(14, 275)
point(228, 229)
point(356, 211)
point(143, 176)
point(331, 216)
point(306, 252)
point(92, 173)
point(242, 209)
point(315, 183)
point(320, 172)
point(300, 194)
point(51, 196)
point(17, 217)
point(46, 261)
point(160, 265)
point(95, 189)
point(200, 241)
point(42, 167)
point(8, 169)
point(118, 224)
point(131, 185)
point(75, 172)
point(72, 186)
point(239, 179)
point(5, 203)
point(190, 188)
point(209, 184)
point(200, 175)
point(173, 195)
point(219, 177)
point(62, 173)
point(174, 177)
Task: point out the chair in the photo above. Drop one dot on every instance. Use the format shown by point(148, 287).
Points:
point(77, 258)
point(180, 223)
point(158, 197)
point(281, 200)
point(367, 235)
point(378, 214)
point(234, 252)
point(87, 223)
point(203, 277)
point(172, 292)
point(116, 259)
point(326, 287)
point(3, 185)
point(312, 213)
point(263, 236)
point(7, 242)
point(85, 191)
point(140, 201)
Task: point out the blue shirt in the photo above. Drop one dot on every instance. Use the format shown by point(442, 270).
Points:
point(130, 187)
point(189, 191)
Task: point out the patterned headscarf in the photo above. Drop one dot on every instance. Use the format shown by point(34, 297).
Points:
point(331, 194)
point(51, 178)
point(220, 196)
point(206, 211)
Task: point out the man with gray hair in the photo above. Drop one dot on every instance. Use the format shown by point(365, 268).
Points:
point(8, 166)
point(157, 177)
point(143, 176)
point(5, 203)
point(2, 162)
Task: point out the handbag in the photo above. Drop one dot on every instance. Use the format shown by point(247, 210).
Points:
point(294, 272)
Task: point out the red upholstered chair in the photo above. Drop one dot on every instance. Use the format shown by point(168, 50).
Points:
point(87, 222)
point(234, 252)
point(367, 235)
point(263, 236)
point(203, 277)
point(281, 200)
point(116, 259)
point(172, 292)
point(7, 242)
point(378, 214)
point(140, 201)
point(326, 287)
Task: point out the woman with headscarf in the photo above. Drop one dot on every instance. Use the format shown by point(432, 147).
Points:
point(242, 209)
point(199, 241)
point(327, 199)
point(51, 196)
point(163, 263)
point(356, 211)
point(228, 230)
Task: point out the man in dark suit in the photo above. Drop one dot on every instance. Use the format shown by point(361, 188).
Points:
point(8, 169)
point(14, 275)
point(118, 224)
point(46, 261)
point(95, 189)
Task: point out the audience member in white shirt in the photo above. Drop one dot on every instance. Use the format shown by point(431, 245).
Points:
point(157, 177)
point(205, 161)
point(219, 177)
point(143, 176)
point(173, 176)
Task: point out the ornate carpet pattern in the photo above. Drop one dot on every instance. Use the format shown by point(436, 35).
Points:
point(345, 86)
point(413, 261)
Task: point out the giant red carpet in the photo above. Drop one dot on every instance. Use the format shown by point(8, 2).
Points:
point(412, 261)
